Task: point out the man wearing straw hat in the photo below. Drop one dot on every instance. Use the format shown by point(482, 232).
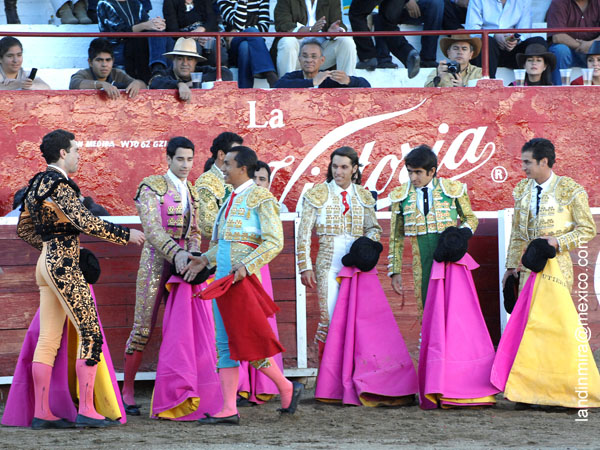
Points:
point(185, 57)
point(458, 49)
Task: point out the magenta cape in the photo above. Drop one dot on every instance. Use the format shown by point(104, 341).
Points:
point(456, 353)
point(513, 333)
point(20, 403)
point(187, 385)
point(257, 386)
point(365, 360)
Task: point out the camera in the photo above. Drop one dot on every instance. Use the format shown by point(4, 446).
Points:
point(453, 67)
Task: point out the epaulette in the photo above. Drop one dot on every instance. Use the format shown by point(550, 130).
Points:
point(45, 183)
point(211, 182)
point(566, 190)
point(317, 195)
point(193, 191)
point(258, 195)
point(365, 197)
point(399, 194)
point(156, 183)
point(521, 189)
point(452, 188)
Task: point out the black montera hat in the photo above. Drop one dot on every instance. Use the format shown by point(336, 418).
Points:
point(364, 254)
point(89, 265)
point(453, 244)
point(537, 254)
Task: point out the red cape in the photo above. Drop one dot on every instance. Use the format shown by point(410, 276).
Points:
point(245, 307)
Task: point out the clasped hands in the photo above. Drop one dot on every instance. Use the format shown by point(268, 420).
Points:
point(195, 264)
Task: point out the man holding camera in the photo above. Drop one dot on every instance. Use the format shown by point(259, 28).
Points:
point(459, 49)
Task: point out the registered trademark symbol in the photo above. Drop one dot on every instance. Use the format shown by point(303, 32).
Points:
point(499, 174)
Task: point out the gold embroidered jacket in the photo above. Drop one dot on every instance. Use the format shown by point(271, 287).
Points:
point(212, 192)
point(323, 210)
point(450, 201)
point(564, 213)
point(253, 218)
point(168, 229)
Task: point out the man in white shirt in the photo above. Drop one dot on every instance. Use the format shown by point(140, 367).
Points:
point(502, 14)
point(312, 16)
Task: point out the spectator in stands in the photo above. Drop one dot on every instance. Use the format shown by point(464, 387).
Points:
point(71, 12)
point(458, 49)
point(311, 59)
point(324, 15)
point(10, 8)
point(138, 57)
point(455, 14)
point(593, 62)
point(427, 12)
point(502, 14)
point(195, 16)
point(102, 76)
point(185, 57)
point(250, 54)
point(538, 63)
point(12, 75)
point(570, 48)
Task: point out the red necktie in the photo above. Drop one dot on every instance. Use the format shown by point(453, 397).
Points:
point(233, 194)
point(345, 202)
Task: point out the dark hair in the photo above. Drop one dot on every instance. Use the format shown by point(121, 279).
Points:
point(311, 41)
point(222, 142)
point(263, 165)
point(53, 143)
point(546, 78)
point(246, 157)
point(349, 152)
point(7, 42)
point(177, 142)
point(421, 157)
point(99, 45)
point(19, 197)
point(540, 148)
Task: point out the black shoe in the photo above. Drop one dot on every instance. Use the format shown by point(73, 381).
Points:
point(413, 63)
point(367, 64)
point(43, 424)
point(88, 422)
point(131, 410)
point(298, 389)
point(427, 63)
point(387, 65)
point(210, 420)
point(241, 402)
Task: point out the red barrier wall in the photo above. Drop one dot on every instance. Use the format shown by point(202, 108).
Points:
point(478, 132)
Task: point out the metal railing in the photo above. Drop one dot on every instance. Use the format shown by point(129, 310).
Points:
point(485, 67)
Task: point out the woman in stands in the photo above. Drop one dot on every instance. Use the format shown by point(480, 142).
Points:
point(12, 75)
point(538, 63)
point(250, 54)
point(593, 62)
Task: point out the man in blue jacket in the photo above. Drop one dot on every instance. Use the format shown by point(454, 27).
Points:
point(311, 58)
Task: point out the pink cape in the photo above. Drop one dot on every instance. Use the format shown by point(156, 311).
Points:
point(20, 403)
point(365, 355)
point(456, 353)
point(187, 358)
point(513, 333)
point(251, 380)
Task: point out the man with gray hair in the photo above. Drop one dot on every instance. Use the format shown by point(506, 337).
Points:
point(311, 58)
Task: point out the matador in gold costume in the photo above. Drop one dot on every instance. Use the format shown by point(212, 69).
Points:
point(342, 211)
point(51, 220)
point(421, 210)
point(211, 186)
point(168, 209)
point(547, 206)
